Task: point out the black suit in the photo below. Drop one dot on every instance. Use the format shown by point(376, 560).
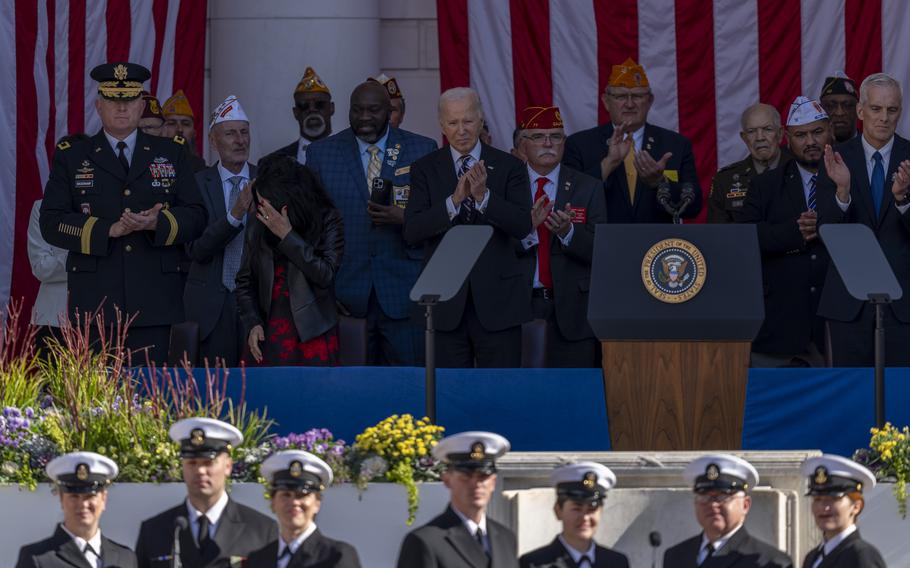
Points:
point(586, 149)
point(793, 270)
point(239, 532)
point(741, 551)
point(570, 341)
point(851, 320)
point(60, 551)
point(206, 300)
point(555, 555)
point(289, 150)
point(484, 318)
point(852, 552)
point(445, 542)
point(317, 551)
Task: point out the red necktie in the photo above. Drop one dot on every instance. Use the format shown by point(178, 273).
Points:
point(543, 246)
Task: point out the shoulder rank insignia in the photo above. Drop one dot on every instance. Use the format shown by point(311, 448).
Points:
point(180, 140)
point(65, 145)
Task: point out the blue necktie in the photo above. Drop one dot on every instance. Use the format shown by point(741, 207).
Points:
point(234, 249)
point(810, 200)
point(878, 182)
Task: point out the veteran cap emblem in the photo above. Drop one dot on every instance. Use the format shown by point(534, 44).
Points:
point(673, 271)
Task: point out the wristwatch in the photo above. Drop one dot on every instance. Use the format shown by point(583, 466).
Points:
point(905, 200)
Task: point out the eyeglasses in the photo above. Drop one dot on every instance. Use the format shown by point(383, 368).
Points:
point(312, 105)
point(633, 97)
point(719, 498)
point(555, 138)
point(843, 106)
point(766, 130)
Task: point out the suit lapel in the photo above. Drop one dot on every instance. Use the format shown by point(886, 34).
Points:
point(104, 156)
point(230, 525)
point(352, 151)
point(68, 551)
point(214, 187)
point(831, 559)
point(899, 152)
point(855, 158)
point(445, 171)
point(393, 151)
point(793, 188)
point(307, 552)
point(725, 557)
point(561, 556)
point(460, 539)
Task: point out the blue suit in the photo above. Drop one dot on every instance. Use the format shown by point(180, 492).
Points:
point(376, 258)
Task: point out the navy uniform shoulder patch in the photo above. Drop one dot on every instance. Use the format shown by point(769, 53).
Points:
point(180, 140)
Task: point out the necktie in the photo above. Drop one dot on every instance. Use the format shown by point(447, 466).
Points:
point(810, 200)
point(820, 558)
point(479, 536)
point(468, 201)
point(710, 549)
point(93, 559)
point(234, 249)
point(121, 155)
point(543, 243)
point(631, 172)
point(878, 182)
point(585, 561)
point(285, 557)
point(374, 167)
point(203, 538)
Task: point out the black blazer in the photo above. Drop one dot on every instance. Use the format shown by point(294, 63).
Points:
point(500, 283)
point(741, 551)
point(852, 552)
point(890, 227)
point(289, 150)
point(555, 555)
point(204, 294)
point(311, 277)
point(317, 551)
point(571, 266)
point(240, 531)
point(793, 271)
point(60, 551)
point(586, 149)
point(445, 542)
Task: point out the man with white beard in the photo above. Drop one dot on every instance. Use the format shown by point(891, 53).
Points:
point(313, 110)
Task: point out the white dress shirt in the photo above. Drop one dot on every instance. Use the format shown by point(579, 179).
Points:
point(577, 554)
point(301, 150)
point(717, 544)
point(550, 190)
point(456, 158)
point(474, 527)
point(806, 175)
point(93, 556)
point(226, 189)
point(293, 545)
point(214, 515)
point(830, 545)
point(49, 267)
point(130, 145)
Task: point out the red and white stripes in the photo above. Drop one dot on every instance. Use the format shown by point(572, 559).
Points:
point(49, 47)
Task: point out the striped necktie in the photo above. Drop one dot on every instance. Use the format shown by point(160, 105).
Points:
point(810, 199)
point(468, 202)
point(375, 165)
point(230, 264)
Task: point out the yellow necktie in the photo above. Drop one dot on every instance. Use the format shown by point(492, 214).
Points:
point(631, 173)
point(375, 165)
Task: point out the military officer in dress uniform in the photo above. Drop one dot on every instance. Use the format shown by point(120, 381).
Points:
point(722, 483)
point(580, 492)
point(463, 536)
point(762, 133)
point(81, 479)
point(836, 486)
point(213, 530)
point(296, 482)
point(123, 203)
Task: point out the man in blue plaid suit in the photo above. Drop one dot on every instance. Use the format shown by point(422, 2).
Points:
point(379, 268)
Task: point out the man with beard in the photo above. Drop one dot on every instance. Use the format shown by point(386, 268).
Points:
point(865, 181)
point(180, 121)
point(567, 205)
point(761, 132)
point(839, 100)
point(782, 203)
point(227, 193)
point(313, 110)
point(379, 268)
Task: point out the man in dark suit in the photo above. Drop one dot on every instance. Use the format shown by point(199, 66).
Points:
point(379, 268)
point(580, 492)
point(218, 531)
point(313, 110)
point(782, 203)
point(633, 157)
point(124, 203)
point(296, 482)
point(567, 205)
point(81, 479)
point(722, 483)
point(463, 536)
point(227, 193)
point(471, 183)
point(865, 181)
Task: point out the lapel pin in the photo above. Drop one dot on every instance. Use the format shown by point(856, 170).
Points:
point(146, 148)
point(97, 149)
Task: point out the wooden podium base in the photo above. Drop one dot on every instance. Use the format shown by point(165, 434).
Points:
point(666, 395)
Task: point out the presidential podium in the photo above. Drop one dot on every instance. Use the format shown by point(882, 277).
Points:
point(676, 308)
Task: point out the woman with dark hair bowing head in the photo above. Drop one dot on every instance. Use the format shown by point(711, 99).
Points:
point(285, 285)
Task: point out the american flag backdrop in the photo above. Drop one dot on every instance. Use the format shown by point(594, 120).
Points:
point(707, 60)
point(47, 49)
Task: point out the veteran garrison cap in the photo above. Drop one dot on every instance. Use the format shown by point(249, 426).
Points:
point(204, 437)
point(721, 472)
point(296, 470)
point(152, 106)
point(390, 84)
point(82, 472)
point(835, 475)
point(585, 482)
point(120, 81)
point(472, 451)
point(839, 84)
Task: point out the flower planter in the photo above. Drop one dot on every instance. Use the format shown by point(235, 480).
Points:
point(373, 521)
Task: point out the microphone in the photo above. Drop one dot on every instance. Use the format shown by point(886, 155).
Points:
point(180, 523)
point(663, 196)
point(654, 540)
point(687, 194)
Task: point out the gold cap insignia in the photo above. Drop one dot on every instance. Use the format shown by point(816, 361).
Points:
point(197, 437)
point(477, 451)
point(590, 479)
point(712, 472)
point(82, 472)
point(821, 475)
point(120, 72)
point(296, 469)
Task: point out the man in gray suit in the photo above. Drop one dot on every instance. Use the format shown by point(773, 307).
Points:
point(226, 189)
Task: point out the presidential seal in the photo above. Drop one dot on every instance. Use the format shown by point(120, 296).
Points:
point(673, 271)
